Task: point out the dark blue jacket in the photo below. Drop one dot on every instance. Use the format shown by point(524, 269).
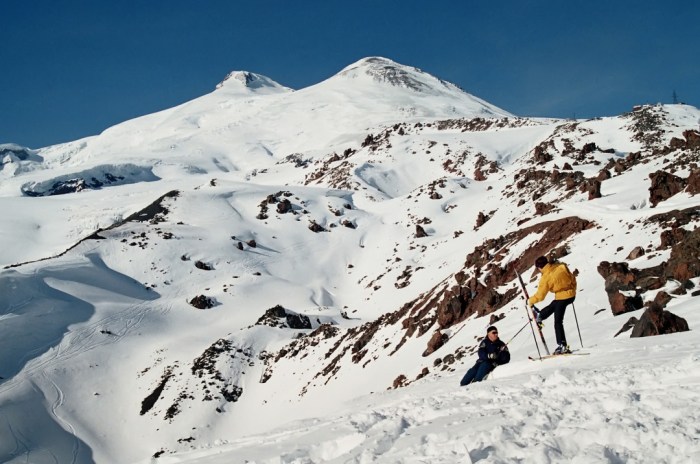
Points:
point(497, 348)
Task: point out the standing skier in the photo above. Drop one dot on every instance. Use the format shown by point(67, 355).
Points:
point(492, 353)
point(556, 278)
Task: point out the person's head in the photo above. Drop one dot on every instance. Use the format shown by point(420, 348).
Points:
point(492, 333)
point(541, 262)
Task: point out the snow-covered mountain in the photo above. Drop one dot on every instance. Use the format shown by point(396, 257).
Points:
point(258, 266)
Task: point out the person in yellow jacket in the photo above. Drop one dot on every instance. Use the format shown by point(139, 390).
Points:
point(556, 278)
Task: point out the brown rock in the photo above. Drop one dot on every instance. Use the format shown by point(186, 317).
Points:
point(636, 253)
point(284, 206)
point(693, 186)
point(662, 299)
point(543, 208)
point(436, 341)
point(684, 262)
point(657, 321)
point(594, 189)
point(671, 237)
point(202, 302)
point(618, 277)
point(692, 138)
point(540, 154)
point(399, 381)
point(663, 186)
point(631, 322)
point(603, 175)
point(481, 219)
point(589, 148)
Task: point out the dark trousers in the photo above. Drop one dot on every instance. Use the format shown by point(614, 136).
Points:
point(558, 307)
point(476, 373)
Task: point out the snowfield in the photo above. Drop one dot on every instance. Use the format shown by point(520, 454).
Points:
point(625, 402)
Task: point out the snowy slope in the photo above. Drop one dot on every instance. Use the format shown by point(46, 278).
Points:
point(257, 197)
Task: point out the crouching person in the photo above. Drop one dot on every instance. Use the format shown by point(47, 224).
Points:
point(492, 353)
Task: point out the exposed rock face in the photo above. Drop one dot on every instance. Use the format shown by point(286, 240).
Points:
point(594, 189)
point(420, 232)
point(203, 266)
point(619, 278)
point(693, 186)
point(284, 206)
point(656, 321)
point(436, 341)
point(543, 208)
point(315, 227)
point(277, 316)
point(636, 253)
point(691, 142)
point(692, 138)
point(663, 186)
point(481, 219)
point(631, 322)
point(625, 286)
point(202, 302)
point(448, 305)
point(603, 175)
point(540, 153)
point(684, 262)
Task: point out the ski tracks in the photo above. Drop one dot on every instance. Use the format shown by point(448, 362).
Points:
point(55, 406)
point(83, 338)
point(612, 415)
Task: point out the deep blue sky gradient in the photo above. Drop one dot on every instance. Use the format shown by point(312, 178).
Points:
point(72, 68)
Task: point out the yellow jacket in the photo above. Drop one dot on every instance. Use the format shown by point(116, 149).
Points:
point(556, 278)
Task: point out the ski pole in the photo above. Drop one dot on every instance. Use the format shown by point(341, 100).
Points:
point(529, 321)
point(531, 313)
point(577, 326)
point(516, 334)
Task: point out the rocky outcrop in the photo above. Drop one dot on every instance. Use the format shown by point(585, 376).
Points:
point(620, 285)
point(684, 262)
point(474, 291)
point(436, 341)
point(631, 322)
point(657, 321)
point(637, 252)
point(277, 316)
point(663, 186)
point(625, 286)
point(420, 231)
point(594, 189)
point(481, 219)
point(690, 141)
point(693, 182)
point(203, 266)
point(202, 302)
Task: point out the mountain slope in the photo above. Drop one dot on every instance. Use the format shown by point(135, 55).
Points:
point(260, 255)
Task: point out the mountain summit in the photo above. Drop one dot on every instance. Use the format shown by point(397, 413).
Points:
point(385, 70)
point(256, 83)
point(409, 82)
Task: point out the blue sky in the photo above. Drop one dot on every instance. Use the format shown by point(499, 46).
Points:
point(72, 68)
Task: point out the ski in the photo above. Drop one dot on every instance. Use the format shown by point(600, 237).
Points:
point(573, 353)
point(534, 316)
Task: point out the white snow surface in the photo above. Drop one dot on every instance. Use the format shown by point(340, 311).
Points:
point(95, 316)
